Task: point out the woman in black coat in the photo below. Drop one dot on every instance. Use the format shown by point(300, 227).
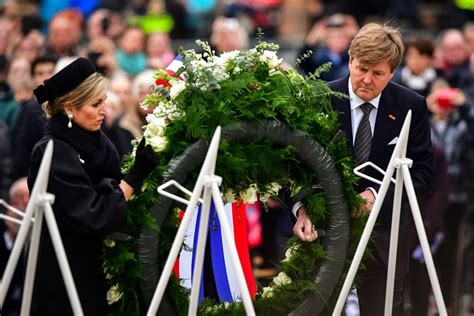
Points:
point(90, 196)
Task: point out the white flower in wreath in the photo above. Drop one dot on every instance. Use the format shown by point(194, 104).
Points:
point(176, 87)
point(290, 252)
point(109, 242)
point(271, 58)
point(272, 190)
point(156, 126)
point(229, 196)
point(114, 294)
point(281, 279)
point(227, 56)
point(158, 143)
point(267, 292)
point(249, 195)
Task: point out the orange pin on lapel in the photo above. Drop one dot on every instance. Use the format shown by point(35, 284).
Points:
point(391, 117)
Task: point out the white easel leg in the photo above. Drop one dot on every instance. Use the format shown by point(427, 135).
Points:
point(424, 241)
point(200, 251)
point(62, 260)
point(16, 252)
point(369, 227)
point(174, 252)
point(32, 260)
point(392, 255)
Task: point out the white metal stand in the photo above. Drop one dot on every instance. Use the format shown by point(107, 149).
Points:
point(39, 204)
point(402, 164)
point(13, 210)
point(208, 183)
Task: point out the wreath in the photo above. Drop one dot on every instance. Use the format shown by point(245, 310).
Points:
point(279, 129)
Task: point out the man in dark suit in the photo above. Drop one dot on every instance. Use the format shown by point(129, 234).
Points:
point(375, 53)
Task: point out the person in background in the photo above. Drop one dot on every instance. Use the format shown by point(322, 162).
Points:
point(18, 198)
point(455, 57)
point(158, 50)
point(130, 54)
point(5, 162)
point(329, 40)
point(29, 127)
point(433, 209)
point(452, 125)
point(121, 85)
point(372, 118)
point(104, 22)
point(418, 72)
point(101, 52)
point(31, 45)
point(468, 33)
point(17, 70)
point(129, 125)
point(64, 34)
point(228, 35)
point(90, 194)
point(113, 110)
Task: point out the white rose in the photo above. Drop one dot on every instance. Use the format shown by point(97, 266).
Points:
point(281, 279)
point(264, 198)
point(113, 294)
point(225, 57)
point(155, 130)
point(275, 187)
point(271, 190)
point(176, 88)
point(249, 196)
point(267, 292)
point(109, 242)
point(271, 58)
point(290, 252)
point(158, 143)
point(230, 196)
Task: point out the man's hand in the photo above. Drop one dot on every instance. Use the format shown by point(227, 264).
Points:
point(303, 228)
point(366, 207)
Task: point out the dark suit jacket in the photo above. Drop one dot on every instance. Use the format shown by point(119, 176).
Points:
point(395, 102)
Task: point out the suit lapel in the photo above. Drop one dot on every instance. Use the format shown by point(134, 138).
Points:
point(343, 106)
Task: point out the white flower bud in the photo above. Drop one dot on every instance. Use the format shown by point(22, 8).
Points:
point(113, 294)
point(249, 196)
point(281, 279)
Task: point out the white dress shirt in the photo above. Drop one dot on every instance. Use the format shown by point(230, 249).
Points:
point(356, 117)
point(356, 111)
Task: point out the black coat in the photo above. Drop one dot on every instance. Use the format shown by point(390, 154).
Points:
point(88, 205)
point(28, 131)
point(395, 102)
point(12, 304)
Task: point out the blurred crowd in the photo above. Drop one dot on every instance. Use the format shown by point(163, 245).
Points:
point(128, 40)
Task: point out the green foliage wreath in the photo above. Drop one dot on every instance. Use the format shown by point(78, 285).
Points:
point(253, 87)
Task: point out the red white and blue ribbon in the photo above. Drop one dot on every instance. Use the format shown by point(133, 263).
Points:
point(224, 273)
point(173, 68)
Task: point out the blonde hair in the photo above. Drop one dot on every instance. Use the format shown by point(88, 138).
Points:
point(376, 43)
point(93, 85)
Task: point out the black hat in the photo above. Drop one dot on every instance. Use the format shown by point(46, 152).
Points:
point(65, 80)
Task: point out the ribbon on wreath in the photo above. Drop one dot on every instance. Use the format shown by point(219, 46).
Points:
point(223, 271)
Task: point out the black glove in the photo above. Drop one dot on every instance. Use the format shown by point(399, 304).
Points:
point(145, 161)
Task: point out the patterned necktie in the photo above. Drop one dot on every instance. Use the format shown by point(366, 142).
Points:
point(363, 138)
